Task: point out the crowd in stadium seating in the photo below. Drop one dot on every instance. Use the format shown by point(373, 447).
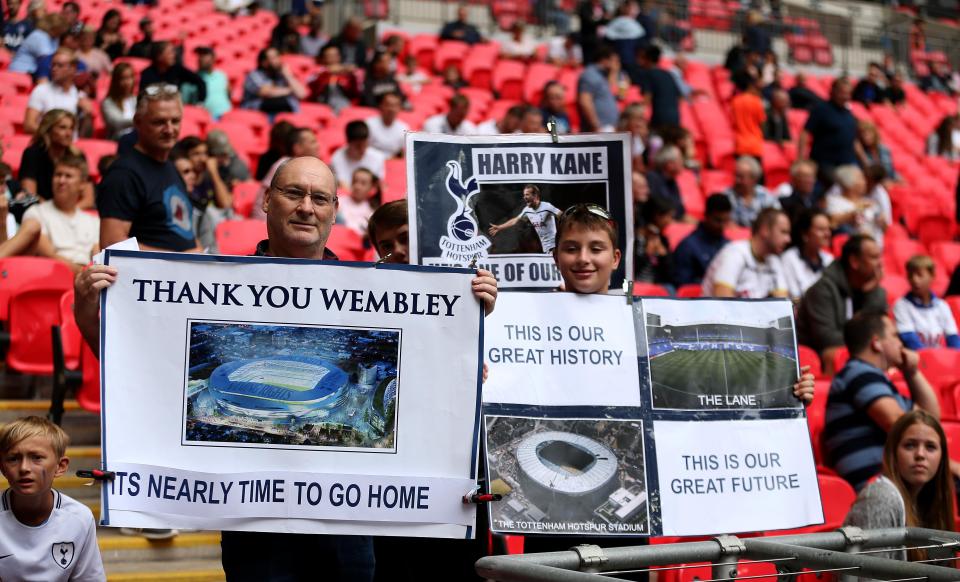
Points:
point(748, 180)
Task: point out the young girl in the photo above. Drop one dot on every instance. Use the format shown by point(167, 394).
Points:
point(915, 488)
point(364, 198)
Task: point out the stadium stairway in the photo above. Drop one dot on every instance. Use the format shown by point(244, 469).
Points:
point(189, 557)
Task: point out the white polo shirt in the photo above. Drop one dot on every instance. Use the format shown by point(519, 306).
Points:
point(736, 267)
point(47, 96)
point(73, 236)
point(388, 139)
point(798, 273)
point(343, 167)
point(439, 124)
point(60, 549)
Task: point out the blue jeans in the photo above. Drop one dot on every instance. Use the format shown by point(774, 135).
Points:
point(276, 557)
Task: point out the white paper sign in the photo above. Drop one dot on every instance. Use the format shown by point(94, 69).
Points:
point(561, 349)
point(737, 476)
point(220, 370)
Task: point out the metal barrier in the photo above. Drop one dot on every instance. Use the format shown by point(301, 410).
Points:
point(850, 552)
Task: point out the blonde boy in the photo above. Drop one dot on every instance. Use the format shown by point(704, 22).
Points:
point(44, 535)
point(923, 319)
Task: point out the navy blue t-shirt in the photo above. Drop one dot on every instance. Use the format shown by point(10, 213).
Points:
point(833, 129)
point(152, 197)
point(665, 95)
point(14, 32)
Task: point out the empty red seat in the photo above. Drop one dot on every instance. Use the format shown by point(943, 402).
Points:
point(538, 75)
point(952, 431)
point(395, 180)
point(240, 237)
point(93, 150)
point(897, 252)
point(450, 53)
point(896, 287)
point(254, 120)
point(837, 497)
point(78, 362)
point(641, 289)
point(346, 244)
point(508, 79)
point(245, 196)
point(423, 47)
point(941, 366)
point(935, 228)
point(677, 231)
point(809, 357)
point(243, 138)
point(691, 290)
point(30, 290)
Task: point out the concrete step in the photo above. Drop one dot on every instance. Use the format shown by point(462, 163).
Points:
point(166, 571)
point(82, 426)
point(119, 548)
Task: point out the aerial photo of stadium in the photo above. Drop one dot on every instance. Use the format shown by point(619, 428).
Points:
point(567, 476)
point(291, 386)
point(721, 354)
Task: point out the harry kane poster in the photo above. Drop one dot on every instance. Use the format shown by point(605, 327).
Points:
point(264, 394)
point(495, 201)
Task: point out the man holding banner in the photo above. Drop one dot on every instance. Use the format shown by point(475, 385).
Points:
point(301, 206)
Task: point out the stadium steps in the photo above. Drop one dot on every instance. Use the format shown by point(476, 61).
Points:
point(165, 571)
point(82, 426)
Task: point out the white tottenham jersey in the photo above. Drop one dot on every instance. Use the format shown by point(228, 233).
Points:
point(62, 548)
point(544, 221)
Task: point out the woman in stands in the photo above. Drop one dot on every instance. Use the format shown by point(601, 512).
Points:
point(872, 151)
point(634, 121)
point(109, 39)
point(120, 103)
point(915, 488)
point(53, 139)
point(355, 210)
point(945, 141)
point(850, 208)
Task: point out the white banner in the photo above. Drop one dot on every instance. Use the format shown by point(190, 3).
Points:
point(561, 349)
point(289, 495)
point(291, 372)
point(736, 476)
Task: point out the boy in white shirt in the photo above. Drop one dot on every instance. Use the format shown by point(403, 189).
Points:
point(44, 534)
point(387, 133)
point(923, 319)
point(356, 154)
point(57, 228)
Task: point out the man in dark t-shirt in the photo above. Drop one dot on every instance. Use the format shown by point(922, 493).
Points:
point(658, 86)
point(830, 131)
point(142, 195)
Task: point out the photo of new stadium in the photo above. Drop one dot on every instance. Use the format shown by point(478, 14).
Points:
point(263, 385)
point(567, 476)
point(721, 354)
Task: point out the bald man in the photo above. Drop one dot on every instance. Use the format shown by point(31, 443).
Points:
point(301, 206)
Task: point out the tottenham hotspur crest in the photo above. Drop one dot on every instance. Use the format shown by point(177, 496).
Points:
point(462, 242)
point(62, 553)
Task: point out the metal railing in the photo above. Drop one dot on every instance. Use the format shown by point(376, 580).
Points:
point(849, 552)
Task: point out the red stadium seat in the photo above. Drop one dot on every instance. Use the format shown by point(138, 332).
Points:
point(690, 291)
point(952, 430)
point(240, 237)
point(737, 232)
point(319, 112)
point(508, 79)
point(897, 252)
point(837, 497)
point(31, 288)
point(423, 47)
point(677, 231)
point(809, 357)
point(538, 75)
point(450, 52)
point(641, 289)
point(75, 363)
point(954, 302)
point(93, 150)
point(346, 244)
point(941, 366)
point(840, 358)
point(932, 229)
point(245, 196)
point(896, 287)
point(20, 81)
point(395, 180)
point(254, 120)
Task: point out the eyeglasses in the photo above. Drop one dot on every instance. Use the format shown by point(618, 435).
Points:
point(588, 208)
point(160, 90)
point(296, 195)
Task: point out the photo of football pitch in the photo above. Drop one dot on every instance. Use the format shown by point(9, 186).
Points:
point(741, 379)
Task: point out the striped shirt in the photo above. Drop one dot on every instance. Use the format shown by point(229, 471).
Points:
point(852, 441)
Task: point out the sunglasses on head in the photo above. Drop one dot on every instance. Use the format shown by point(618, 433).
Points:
point(160, 89)
point(587, 208)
